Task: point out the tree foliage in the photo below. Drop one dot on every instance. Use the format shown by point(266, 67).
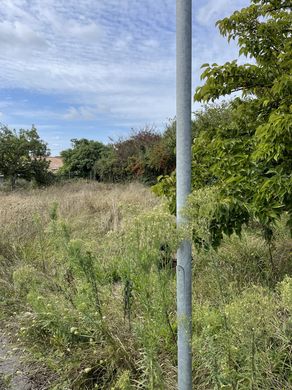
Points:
point(248, 156)
point(255, 150)
point(23, 154)
point(205, 125)
point(143, 156)
point(80, 159)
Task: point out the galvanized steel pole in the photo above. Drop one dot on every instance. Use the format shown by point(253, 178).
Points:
point(183, 186)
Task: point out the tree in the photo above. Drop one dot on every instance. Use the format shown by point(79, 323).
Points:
point(205, 125)
point(80, 159)
point(142, 156)
point(133, 154)
point(23, 154)
point(161, 157)
point(246, 152)
point(254, 152)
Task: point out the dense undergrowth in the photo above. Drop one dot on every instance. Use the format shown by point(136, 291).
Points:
point(87, 272)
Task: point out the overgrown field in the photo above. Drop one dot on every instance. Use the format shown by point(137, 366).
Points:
point(87, 278)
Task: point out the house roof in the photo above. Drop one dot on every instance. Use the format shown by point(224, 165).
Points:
point(55, 163)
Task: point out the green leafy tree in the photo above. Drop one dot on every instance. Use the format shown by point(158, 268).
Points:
point(23, 154)
point(254, 152)
point(205, 126)
point(247, 151)
point(142, 156)
point(107, 167)
point(79, 160)
point(161, 157)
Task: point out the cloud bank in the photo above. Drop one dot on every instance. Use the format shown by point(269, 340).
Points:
point(108, 63)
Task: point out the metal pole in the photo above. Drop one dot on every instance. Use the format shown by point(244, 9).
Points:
point(183, 186)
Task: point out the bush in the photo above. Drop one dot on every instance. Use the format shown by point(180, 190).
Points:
point(242, 344)
point(143, 156)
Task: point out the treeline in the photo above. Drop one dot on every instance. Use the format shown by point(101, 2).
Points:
point(143, 156)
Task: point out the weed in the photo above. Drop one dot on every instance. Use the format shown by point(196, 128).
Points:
point(87, 271)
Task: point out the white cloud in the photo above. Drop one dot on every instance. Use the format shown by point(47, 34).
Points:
point(212, 10)
point(152, 43)
point(123, 43)
point(5, 103)
point(16, 35)
point(87, 32)
point(110, 58)
point(80, 113)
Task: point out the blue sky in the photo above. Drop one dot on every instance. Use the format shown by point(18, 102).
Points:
point(98, 68)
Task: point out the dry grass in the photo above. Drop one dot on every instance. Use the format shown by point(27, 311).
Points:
point(90, 210)
point(102, 205)
point(115, 235)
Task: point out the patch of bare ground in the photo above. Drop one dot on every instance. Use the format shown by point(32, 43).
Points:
point(16, 373)
point(12, 375)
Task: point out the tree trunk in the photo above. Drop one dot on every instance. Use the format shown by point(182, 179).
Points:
point(12, 182)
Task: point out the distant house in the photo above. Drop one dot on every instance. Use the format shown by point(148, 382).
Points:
point(55, 163)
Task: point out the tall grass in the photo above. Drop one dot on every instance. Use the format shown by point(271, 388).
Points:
point(83, 273)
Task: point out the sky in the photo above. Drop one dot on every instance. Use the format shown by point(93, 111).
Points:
point(97, 69)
